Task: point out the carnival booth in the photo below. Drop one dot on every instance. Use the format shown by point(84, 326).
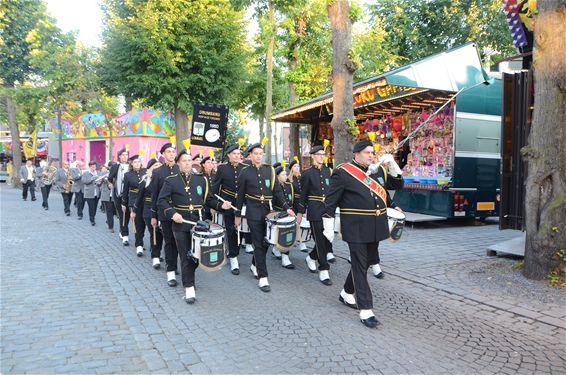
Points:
point(449, 109)
point(87, 137)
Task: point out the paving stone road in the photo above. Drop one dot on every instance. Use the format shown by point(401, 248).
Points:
point(75, 301)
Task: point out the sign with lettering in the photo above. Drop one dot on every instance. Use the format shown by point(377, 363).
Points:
point(383, 93)
point(209, 125)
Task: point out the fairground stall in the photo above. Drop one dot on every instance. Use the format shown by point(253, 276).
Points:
point(451, 166)
point(87, 137)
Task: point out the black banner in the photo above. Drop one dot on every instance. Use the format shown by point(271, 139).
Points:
point(209, 125)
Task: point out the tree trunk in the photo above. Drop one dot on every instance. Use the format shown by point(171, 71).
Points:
point(342, 79)
point(545, 153)
point(261, 122)
point(269, 82)
point(293, 128)
point(181, 127)
point(15, 134)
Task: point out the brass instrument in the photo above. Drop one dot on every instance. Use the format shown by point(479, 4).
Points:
point(47, 178)
point(68, 182)
point(103, 177)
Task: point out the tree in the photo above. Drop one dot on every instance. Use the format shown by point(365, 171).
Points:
point(545, 251)
point(174, 53)
point(416, 29)
point(343, 68)
point(17, 19)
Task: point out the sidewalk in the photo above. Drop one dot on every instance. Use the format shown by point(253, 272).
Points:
point(74, 300)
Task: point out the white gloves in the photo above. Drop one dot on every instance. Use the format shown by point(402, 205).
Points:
point(391, 164)
point(373, 168)
point(328, 225)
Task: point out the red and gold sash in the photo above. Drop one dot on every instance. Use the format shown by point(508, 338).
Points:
point(365, 180)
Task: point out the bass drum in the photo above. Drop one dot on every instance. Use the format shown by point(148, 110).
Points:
point(208, 247)
point(396, 222)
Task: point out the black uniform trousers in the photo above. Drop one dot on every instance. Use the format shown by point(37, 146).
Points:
point(171, 252)
point(155, 237)
point(45, 190)
point(321, 245)
point(139, 223)
point(67, 198)
point(28, 185)
point(357, 282)
point(188, 263)
point(257, 231)
point(374, 257)
point(231, 233)
point(123, 217)
point(79, 198)
point(92, 204)
point(109, 208)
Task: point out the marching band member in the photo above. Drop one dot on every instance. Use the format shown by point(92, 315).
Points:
point(91, 190)
point(27, 178)
point(288, 194)
point(225, 184)
point(274, 250)
point(207, 172)
point(197, 168)
point(116, 183)
point(169, 168)
point(363, 204)
point(63, 182)
point(257, 188)
point(143, 205)
point(78, 187)
point(183, 197)
point(45, 174)
point(388, 173)
point(106, 199)
point(132, 180)
point(315, 183)
point(294, 178)
point(247, 237)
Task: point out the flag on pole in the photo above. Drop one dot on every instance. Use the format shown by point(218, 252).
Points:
point(30, 145)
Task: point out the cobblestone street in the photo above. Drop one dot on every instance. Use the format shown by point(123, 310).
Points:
point(74, 300)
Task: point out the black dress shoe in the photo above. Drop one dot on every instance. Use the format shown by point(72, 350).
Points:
point(68, 213)
point(111, 230)
point(126, 243)
point(235, 271)
point(80, 218)
point(45, 208)
point(333, 260)
point(190, 301)
point(370, 322)
point(139, 255)
point(273, 253)
point(326, 281)
point(25, 199)
point(350, 305)
point(379, 275)
point(92, 223)
point(157, 266)
point(289, 266)
point(265, 288)
point(172, 282)
point(33, 199)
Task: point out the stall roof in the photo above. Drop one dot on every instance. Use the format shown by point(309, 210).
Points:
point(425, 83)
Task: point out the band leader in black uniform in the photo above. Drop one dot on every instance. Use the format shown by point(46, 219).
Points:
point(315, 183)
point(144, 203)
point(363, 204)
point(225, 184)
point(257, 188)
point(169, 168)
point(132, 180)
point(183, 197)
point(294, 178)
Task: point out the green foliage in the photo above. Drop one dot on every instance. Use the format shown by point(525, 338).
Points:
point(557, 277)
point(173, 52)
point(417, 29)
point(352, 126)
point(519, 265)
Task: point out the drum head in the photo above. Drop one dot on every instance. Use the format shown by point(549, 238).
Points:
point(272, 216)
point(216, 228)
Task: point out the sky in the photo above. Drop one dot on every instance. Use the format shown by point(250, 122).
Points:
point(83, 16)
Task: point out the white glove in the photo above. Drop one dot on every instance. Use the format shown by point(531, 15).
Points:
point(372, 169)
point(392, 166)
point(328, 225)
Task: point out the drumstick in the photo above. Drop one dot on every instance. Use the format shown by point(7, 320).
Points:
point(154, 239)
point(224, 200)
point(189, 222)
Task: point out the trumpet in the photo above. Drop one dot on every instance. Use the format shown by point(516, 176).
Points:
point(102, 178)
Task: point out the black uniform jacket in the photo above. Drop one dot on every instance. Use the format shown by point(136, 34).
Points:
point(363, 214)
point(130, 192)
point(288, 194)
point(144, 197)
point(256, 188)
point(225, 181)
point(315, 184)
point(296, 193)
point(159, 176)
point(186, 195)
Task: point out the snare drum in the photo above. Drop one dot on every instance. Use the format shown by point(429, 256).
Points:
point(208, 247)
point(396, 221)
point(281, 231)
point(305, 229)
point(244, 228)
